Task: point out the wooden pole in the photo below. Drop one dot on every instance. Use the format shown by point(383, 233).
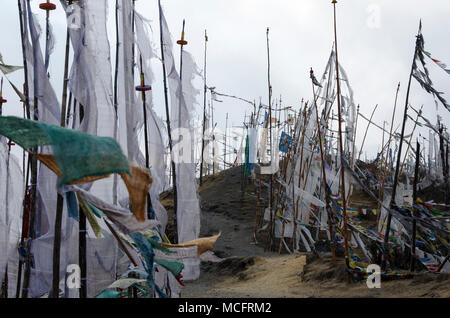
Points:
point(82, 248)
point(414, 229)
point(354, 136)
point(213, 125)
point(444, 165)
point(272, 227)
point(116, 101)
point(324, 174)
point(47, 36)
point(204, 111)
point(338, 96)
point(24, 59)
point(397, 168)
point(143, 88)
point(25, 211)
point(120, 242)
point(225, 146)
point(54, 293)
point(33, 188)
point(383, 178)
point(169, 132)
point(409, 142)
point(182, 43)
point(299, 176)
point(353, 153)
point(365, 134)
point(66, 79)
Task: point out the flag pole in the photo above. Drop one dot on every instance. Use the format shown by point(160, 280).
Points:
point(413, 210)
point(299, 176)
point(410, 139)
point(272, 227)
point(116, 101)
point(54, 293)
point(25, 210)
point(204, 111)
point(324, 174)
point(341, 149)
point(367, 129)
point(66, 79)
point(33, 188)
point(444, 166)
point(169, 132)
point(381, 193)
point(397, 168)
point(143, 89)
point(47, 7)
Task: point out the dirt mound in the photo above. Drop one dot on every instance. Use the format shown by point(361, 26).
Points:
point(231, 266)
point(320, 269)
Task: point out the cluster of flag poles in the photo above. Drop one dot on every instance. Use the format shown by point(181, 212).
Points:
point(295, 150)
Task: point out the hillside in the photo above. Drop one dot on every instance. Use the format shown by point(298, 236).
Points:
point(247, 270)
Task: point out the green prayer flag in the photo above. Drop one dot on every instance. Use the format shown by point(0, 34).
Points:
point(89, 216)
point(173, 266)
point(108, 293)
point(78, 154)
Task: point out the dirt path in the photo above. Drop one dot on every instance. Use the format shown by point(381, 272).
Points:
point(248, 271)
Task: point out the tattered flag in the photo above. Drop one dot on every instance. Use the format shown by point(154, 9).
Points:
point(441, 65)
point(422, 75)
point(7, 69)
point(314, 79)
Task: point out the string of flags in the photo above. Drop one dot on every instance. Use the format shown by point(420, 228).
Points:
point(441, 64)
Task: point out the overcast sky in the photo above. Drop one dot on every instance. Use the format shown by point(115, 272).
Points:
point(376, 44)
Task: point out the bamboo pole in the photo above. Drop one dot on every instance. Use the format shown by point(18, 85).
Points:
point(143, 88)
point(82, 248)
point(54, 293)
point(204, 112)
point(33, 188)
point(414, 227)
point(365, 134)
point(338, 96)
point(288, 159)
point(381, 192)
point(353, 153)
point(410, 138)
point(397, 168)
point(324, 174)
point(299, 176)
point(116, 101)
point(444, 165)
point(25, 210)
point(272, 227)
point(120, 242)
point(169, 132)
point(225, 146)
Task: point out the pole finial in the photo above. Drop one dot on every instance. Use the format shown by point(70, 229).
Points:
point(334, 1)
point(183, 41)
point(47, 6)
